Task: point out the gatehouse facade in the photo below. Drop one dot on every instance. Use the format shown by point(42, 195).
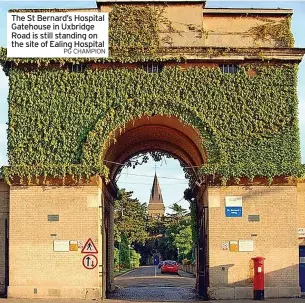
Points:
point(216, 88)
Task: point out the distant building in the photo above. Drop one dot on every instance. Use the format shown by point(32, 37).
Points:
point(156, 206)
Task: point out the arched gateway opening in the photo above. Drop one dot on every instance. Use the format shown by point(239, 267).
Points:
point(163, 134)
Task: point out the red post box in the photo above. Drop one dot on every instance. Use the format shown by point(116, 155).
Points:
point(259, 279)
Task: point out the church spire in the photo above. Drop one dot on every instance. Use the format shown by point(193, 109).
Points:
point(156, 207)
point(156, 195)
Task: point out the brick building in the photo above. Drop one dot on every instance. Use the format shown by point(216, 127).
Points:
point(47, 218)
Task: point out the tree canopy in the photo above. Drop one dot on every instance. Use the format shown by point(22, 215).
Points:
point(129, 218)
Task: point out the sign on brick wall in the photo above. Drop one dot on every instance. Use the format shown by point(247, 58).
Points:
point(301, 232)
point(234, 206)
point(245, 245)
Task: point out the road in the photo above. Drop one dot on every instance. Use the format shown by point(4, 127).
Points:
point(147, 284)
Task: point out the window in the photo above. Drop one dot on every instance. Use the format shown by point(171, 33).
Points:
point(152, 67)
point(228, 68)
point(77, 68)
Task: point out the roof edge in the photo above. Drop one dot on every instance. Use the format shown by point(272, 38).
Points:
point(99, 2)
point(249, 11)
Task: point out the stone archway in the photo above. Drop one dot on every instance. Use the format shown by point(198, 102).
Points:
point(157, 133)
point(117, 120)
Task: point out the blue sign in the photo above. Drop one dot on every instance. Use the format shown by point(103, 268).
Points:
point(234, 211)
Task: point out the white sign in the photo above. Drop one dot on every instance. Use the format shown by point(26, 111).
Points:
point(301, 232)
point(61, 245)
point(225, 246)
point(50, 35)
point(234, 201)
point(245, 245)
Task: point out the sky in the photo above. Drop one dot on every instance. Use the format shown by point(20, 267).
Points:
point(172, 189)
point(171, 179)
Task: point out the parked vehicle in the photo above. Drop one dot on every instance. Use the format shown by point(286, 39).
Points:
point(160, 264)
point(169, 266)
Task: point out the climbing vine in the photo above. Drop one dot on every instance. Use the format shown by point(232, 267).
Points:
point(134, 32)
point(141, 33)
point(134, 36)
point(60, 122)
point(273, 29)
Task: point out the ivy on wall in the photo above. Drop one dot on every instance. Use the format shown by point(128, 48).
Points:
point(134, 36)
point(60, 120)
point(272, 29)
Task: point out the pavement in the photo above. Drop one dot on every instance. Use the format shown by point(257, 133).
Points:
point(147, 284)
point(288, 300)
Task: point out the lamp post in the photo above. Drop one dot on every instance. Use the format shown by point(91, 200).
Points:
point(178, 254)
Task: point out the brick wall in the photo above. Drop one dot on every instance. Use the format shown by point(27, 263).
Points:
point(35, 269)
point(301, 208)
point(274, 236)
point(4, 208)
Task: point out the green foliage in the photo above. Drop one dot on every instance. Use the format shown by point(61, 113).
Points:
point(188, 195)
point(28, 172)
point(183, 241)
point(125, 256)
point(116, 254)
point(63, 120)
point(124, 252)
point(174, 228)
point(140, 33)
point(134, 36)
point(130, 218)
point(177, 211)
point(134, 259)
point(134, 33)
point(1, 172)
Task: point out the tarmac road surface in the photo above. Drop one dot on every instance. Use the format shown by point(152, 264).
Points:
point(147, 284)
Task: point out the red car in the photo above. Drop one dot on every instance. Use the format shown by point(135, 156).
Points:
point(170, 267)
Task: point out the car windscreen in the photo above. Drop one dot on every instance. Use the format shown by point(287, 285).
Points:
point(170, 263)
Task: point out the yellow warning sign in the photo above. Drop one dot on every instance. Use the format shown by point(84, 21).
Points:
point(73, 245)
point(234, 246)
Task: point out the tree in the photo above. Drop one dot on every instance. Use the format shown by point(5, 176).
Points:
point(129, 217)
point(178, 211)
point(174, 227)
point(134, 258)
point(124, 252)
point(116, 259)
point(183, 241)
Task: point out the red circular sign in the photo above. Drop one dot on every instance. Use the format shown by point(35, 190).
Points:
point(90, 261)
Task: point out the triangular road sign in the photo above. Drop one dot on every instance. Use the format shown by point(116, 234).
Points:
point(89, 247)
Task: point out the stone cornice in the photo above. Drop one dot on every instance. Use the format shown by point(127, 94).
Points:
point(197, 54)
point(236, 54)
point(247, 11)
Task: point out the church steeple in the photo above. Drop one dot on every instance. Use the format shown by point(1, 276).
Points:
point(156, 207)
